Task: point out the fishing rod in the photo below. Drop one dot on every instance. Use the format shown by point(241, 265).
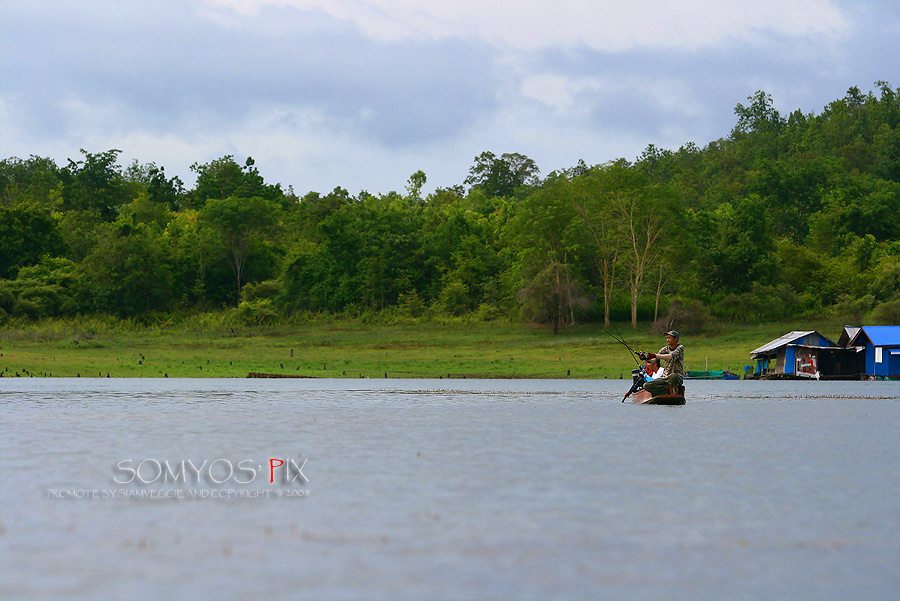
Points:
point(621, 340)
point(642, 372)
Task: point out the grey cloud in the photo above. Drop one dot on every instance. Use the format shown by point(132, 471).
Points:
point(173, 68)
point(169, 67)
point(800, 73)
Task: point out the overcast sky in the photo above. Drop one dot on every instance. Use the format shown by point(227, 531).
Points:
point(363, 93)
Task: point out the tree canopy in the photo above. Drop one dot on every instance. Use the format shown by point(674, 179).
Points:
point(790, 215)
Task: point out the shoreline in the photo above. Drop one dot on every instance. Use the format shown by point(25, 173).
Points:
point(350, 350)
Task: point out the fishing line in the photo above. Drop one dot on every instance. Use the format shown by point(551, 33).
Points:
point(642, 373)
point(621, 340)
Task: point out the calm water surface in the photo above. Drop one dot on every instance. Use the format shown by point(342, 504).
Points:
point(439, 489)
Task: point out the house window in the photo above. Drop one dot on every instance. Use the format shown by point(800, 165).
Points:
point(878, 358)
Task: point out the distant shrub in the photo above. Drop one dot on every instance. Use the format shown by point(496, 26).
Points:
point(688, 316)
point(412, 304)
point(886, 314)
point(26, 308)
point(45, 298)
point(853, 310)
point(7, 298)
point(258, 312)
point(809, 305)
point(454, 298)
point(760, 304)
point(885, 284)
point(486, 312)
point(270, 289)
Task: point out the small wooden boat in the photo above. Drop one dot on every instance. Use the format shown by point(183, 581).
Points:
point(642, 397)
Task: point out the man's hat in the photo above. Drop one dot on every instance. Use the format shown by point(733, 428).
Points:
point(673, 333)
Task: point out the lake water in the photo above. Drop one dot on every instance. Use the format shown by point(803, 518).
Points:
point(447, 489)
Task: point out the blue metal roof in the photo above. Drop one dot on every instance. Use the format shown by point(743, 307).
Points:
point(880, 335)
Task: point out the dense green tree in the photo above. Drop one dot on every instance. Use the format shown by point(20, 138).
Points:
point(415, 183)
point(552, 286)
point(759, 117)
point(80, 230)
point(597, 197)
point(799, 266)
point(46, 289)
point(368, 255)
point(96, 183)
point(740, 252)
point(857, 206)
point(391, 262)
point(34, 180)
point(793, 188)
point(27, 233)
point(302, 274)
point(202, 278)
point(885, 282)
point(223, 177)
point(144, 210)
point(244, 225)
point(500, 176)
point(886, 153)
point(152, 181)
point(463, 254)
point(128, 273)
point(314, 208)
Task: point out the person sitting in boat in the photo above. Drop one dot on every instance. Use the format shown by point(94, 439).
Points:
point(673, 370)
point(652, 369)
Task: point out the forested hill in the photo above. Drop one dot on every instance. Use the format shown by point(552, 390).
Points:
point(788, 216)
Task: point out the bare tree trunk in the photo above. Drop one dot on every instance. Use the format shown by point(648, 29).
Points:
point(558, 312)
point(239, 259)
point(635, 297)
point(644, 230)
point(602, 228)
point(661, 282)
point(569, 300)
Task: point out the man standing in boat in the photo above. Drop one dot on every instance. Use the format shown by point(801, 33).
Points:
point(673, 371)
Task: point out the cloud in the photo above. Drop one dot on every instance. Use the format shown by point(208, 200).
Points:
point(600, 25)
point(362, 93)
point(181, 71)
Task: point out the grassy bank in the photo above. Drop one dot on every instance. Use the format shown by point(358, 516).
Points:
point(347, 349)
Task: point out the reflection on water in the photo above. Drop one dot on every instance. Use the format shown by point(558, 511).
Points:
point(438, 489)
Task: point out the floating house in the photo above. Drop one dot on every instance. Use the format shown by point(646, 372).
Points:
point(847, 335)
point(799, 354)
point(850, 361)
point(808, 354)
point(881, 346)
